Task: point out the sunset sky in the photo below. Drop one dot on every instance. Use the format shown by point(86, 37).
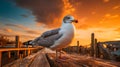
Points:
point(30, 18)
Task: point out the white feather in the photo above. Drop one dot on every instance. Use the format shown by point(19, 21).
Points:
point(67, 29)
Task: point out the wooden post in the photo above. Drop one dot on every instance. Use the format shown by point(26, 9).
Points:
point(9, 54)
point(0, 59)
point(28, 51)
point(17, 41)
point(77, 46)
point(98, 50)
point(25, 53)
point(92, 44)
point(17, 45)
point(95, 48)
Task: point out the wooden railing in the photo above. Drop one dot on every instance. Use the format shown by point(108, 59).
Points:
point(27, 52)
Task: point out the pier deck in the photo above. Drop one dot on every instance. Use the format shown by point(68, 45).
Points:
point(43, 59)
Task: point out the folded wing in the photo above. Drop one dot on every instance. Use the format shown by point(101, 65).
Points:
point(48, 38)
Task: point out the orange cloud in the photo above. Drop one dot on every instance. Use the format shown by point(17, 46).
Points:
point(118, 30)
point(106, 1)
point(33, 32)
point(26, 29)
point(111, 16)
point(93, 13)
point(116, 7)
point(8, 30)
point(10, 33)
point(68, 8)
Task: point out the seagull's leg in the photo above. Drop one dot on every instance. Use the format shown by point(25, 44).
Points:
point(60, 53)
point(56, 54)
point(59, 57)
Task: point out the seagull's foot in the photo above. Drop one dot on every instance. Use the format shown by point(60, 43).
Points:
point(57, 60)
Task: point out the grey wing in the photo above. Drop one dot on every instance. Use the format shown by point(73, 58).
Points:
point(48, 38)
point(50, 33)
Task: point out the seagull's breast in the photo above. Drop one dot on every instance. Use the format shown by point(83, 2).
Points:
point(68, 34)
point(68, 31)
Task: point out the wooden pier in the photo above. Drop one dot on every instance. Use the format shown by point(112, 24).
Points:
point(43, 59)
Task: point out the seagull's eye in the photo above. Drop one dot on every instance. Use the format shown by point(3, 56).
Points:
point(68, 17)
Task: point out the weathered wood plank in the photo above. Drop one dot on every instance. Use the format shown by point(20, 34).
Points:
point(40, 61)
point(79, 61)
point(35, 60)
point(65, 61)
point(27, 61)
point(22, 62)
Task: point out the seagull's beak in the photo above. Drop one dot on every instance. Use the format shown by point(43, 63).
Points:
point(76, 21)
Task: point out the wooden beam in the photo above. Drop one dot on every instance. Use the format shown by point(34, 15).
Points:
point(0, 59)
point(15, 49)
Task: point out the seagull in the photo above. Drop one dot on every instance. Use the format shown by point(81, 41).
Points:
point(58, 38)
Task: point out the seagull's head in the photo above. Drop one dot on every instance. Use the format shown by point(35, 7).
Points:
point(69, 19)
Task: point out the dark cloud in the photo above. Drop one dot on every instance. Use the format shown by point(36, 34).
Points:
point(45, 11)
point(25, 15)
